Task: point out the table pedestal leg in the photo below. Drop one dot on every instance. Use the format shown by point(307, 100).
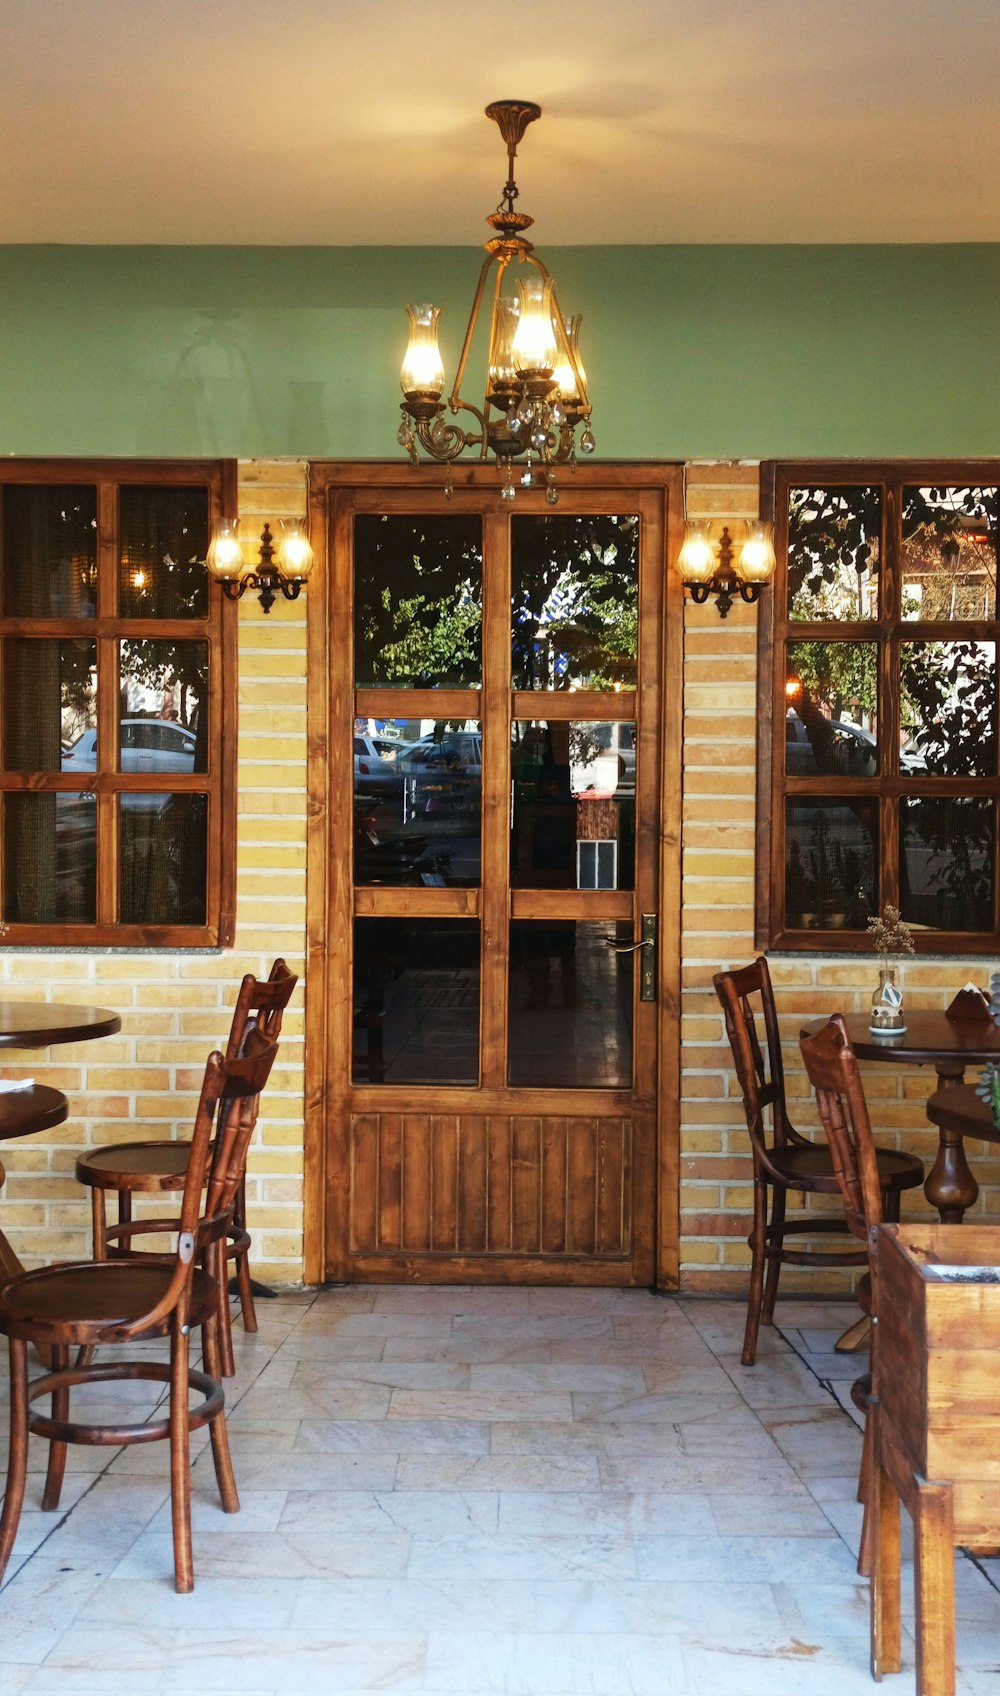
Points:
point(950, 1186)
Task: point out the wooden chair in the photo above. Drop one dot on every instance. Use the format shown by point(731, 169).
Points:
point(786, 1161)
point(833, 1072)
point(151, 1167)
point(93, 1303)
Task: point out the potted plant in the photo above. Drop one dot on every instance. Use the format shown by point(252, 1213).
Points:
point(892, 938)
point(989, 1078)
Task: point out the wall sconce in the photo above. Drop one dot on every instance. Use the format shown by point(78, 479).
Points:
point(284, 570)
point(708, 568)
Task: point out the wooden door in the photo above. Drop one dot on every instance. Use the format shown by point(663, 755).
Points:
point(498, 1012)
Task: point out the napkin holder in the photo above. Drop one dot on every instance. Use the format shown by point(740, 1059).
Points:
point(970, 1004)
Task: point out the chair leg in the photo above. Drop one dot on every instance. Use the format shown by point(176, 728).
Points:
point(866, 1486)
point(774, 1260)
point(885, 1623)
point(934, 1588)
point(758, 1261)
point(225, 1477)
point(56, 1469)
point(243, 1263)
point(219, 1269)
point(17, 1463)
point(180, 1456)
point(99, 1222)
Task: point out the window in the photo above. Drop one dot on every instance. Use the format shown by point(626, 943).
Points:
point(117, 681)
point(878, 779)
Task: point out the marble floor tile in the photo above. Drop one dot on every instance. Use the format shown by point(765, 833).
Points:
point(475, 1492)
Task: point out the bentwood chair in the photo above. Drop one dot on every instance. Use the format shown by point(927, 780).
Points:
point(91, 1304)
point(784, 1160)
point(832, 1069)
point(154, 1167)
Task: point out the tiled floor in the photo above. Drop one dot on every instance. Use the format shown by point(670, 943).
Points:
point(460, 1492)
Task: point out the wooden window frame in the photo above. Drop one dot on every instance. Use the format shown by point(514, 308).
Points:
point(218, 630)
point(775, 628)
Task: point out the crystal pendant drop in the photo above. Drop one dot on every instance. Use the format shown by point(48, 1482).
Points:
point(587, 442)
point(508, 491)
point(552, 494)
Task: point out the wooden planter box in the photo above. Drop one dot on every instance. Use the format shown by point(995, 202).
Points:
point(936, 1381)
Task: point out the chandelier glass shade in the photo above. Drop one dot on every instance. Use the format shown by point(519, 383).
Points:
point(535, 398)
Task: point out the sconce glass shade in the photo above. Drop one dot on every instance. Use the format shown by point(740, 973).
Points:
point(423, 368)
point(295, 556)
point(571, 381)
point(696, 561)
point(225, 556)
point(534, 347)
point(505, 321)
point(756, 560)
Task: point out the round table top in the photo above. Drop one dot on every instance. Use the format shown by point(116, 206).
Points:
point(930, 1037)
point(23, 1111)
point(37, 1024)
point(961, 1109)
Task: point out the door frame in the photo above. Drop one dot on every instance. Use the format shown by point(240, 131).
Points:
point(329, 891)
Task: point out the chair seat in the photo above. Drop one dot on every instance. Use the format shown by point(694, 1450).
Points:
point(80, 1299)
point(23, 1111)
point(143, 1166)
point(811, 1168)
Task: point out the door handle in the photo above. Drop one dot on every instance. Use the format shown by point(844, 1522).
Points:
point(646, 946)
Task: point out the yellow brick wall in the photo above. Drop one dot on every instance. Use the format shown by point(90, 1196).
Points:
point(717, 926)
point(143, 1083)
point(176, 1007)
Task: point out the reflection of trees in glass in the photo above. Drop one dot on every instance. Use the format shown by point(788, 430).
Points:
point(418, 599)
point(840, 677)
point(575, 601)
point(949, 553)
point(163, 540)
point(833, 552)
point(948, 699)
point(946, 862)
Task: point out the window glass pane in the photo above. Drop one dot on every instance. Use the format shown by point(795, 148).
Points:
point(417, 802)
point(163, 844)
point(416, 1001)
point(830, 688)
point(572, 805)
point(49, 557)
point(575, 599)
point(948, 708)
point(50, 859)
point(949, 554)
point(163, 540)
point(418, 585)
point(833, 552)
point(570, 1005)
point(831, 861)
point(947, 856)
point(164, 686)
point(50, 703)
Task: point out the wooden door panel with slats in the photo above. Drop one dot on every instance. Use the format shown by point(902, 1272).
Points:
point(446, 1184)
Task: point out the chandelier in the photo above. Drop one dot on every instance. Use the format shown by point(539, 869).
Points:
point(536, 388)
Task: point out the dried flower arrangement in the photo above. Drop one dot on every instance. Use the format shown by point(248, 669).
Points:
point(892, 934)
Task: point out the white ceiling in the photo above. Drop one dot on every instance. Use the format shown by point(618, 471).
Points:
point(351, 122)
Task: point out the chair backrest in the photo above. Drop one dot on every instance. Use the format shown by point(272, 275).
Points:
point(260, 1005)
point(833, 1072)
point(761, 1079)
point(223, 1125)
point(236, 1120)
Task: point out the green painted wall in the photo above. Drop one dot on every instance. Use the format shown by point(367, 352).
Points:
point(692, 352)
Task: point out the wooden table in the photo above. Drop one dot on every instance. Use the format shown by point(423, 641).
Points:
point(39, 1024)
point(949, 1045)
